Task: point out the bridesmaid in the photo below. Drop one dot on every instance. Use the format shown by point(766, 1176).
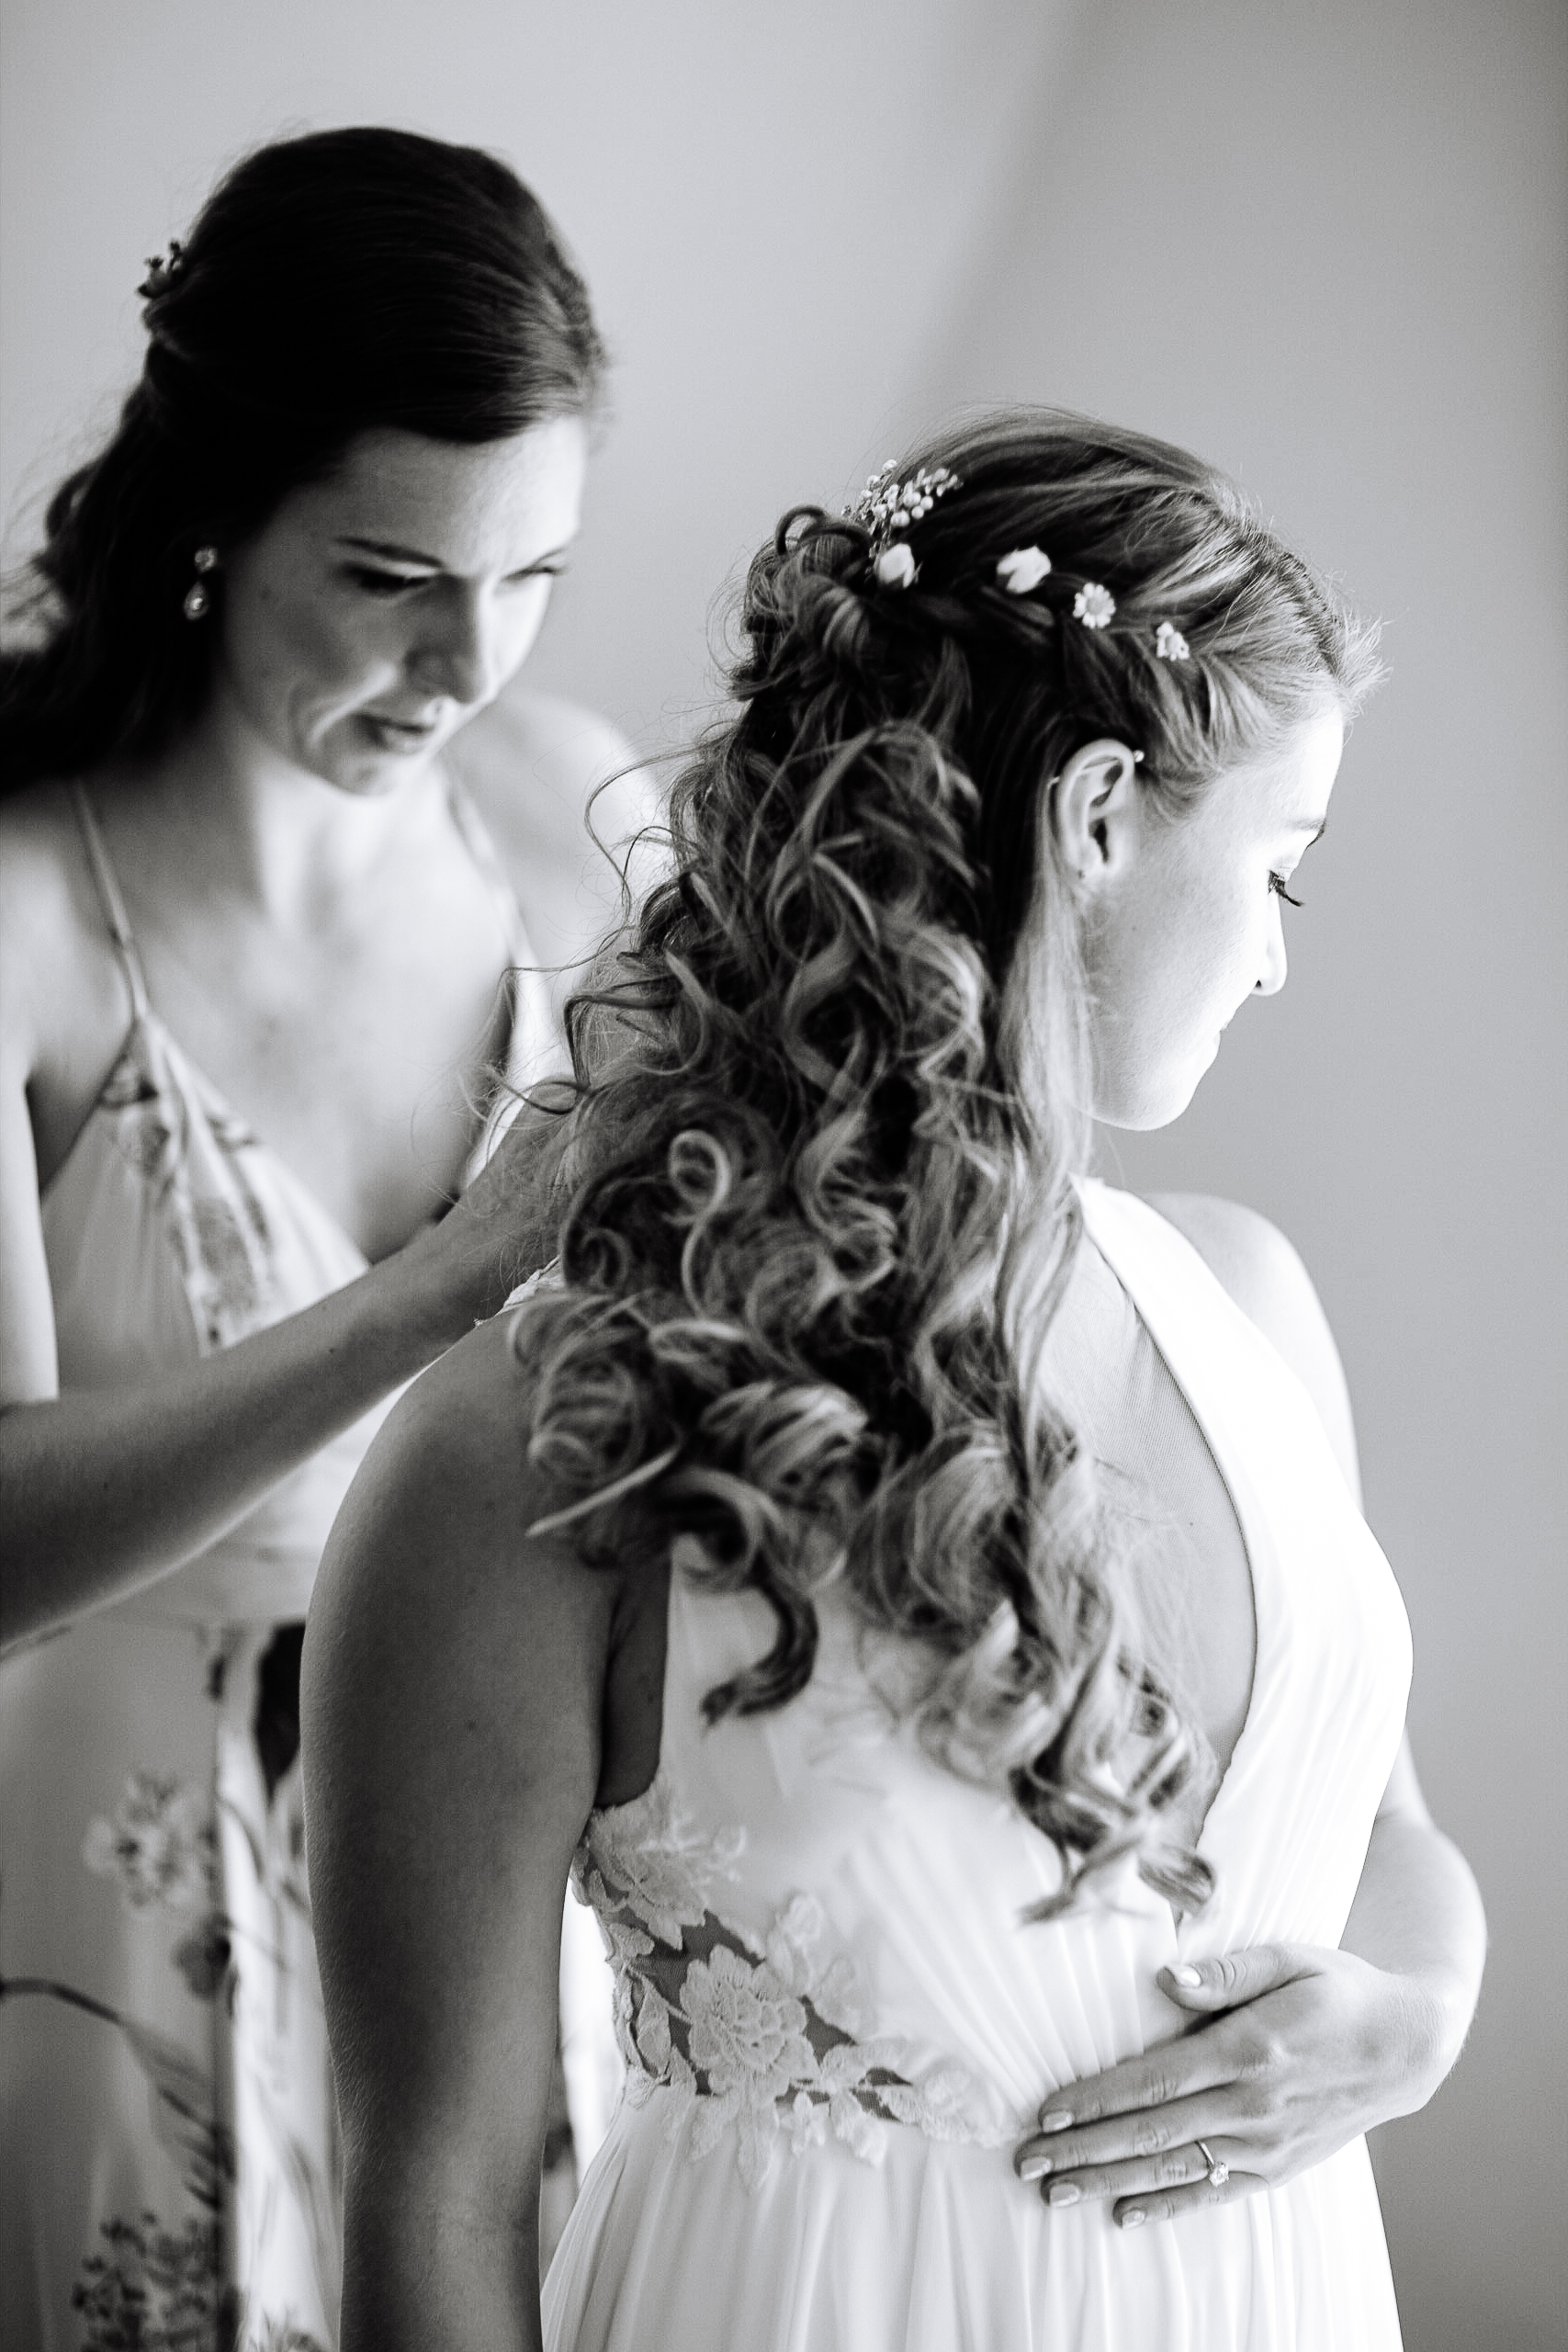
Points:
point(264, 977)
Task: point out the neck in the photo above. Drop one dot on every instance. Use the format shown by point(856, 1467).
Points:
point(254, 827)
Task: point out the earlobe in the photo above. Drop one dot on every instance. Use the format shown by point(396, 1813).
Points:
point(1092, 809)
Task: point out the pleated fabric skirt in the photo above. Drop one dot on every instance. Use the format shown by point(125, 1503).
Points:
point(940, 2249)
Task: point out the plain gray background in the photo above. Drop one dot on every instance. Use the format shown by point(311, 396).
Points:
point(1325, 247)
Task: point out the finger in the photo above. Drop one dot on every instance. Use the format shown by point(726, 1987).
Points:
point(1140, 2177)
point(1172, 2070)
point(1146, 2134)
point(1169, 2204)
point(1232, 1978)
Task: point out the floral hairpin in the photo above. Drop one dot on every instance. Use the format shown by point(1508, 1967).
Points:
point(1022, 569)
point(161, 273)
point(889, 505)
point(1169, 643)
point(1094, 606)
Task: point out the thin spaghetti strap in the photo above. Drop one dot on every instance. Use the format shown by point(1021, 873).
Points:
point(107, 884)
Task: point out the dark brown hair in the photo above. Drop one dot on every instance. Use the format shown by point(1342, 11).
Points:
point(333, 285)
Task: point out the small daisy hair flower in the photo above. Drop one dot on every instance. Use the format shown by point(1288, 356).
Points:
point(1024, 569)
point(1094, 606)
point(895, 567)
point(1169, 643)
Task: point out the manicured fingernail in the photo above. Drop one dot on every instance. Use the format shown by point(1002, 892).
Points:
point(1135, 2220)
point(1035, 2168)
point(1057, 2121)
point(1066, 2192)
point(1184, 1973)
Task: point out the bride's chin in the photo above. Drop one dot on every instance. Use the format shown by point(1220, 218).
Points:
point(1148, 1107)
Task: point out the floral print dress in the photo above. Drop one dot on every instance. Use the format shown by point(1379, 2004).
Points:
point(168, 2136)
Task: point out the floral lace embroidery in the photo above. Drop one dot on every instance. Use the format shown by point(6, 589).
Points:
point(773, 2042)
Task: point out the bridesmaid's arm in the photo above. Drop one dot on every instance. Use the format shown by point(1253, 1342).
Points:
point(105, 1492)
point(453, 1686)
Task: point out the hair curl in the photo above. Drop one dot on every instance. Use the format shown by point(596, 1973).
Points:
point(334, 284)
point(817, 1170)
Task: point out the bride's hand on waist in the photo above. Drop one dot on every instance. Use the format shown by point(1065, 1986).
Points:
point(1293, 2051)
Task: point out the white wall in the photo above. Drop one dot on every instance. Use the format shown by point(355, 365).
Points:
point(1325, 246)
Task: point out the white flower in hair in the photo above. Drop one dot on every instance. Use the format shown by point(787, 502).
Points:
point(1094, 606)
point(895, 567)
point(1024, 569)
point(1169, 643)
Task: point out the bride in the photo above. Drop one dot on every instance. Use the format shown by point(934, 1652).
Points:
point(916, 1592)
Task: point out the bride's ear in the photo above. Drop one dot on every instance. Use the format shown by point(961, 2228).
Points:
point(1093, 811)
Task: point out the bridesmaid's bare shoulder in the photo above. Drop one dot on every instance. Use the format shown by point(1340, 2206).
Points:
point(64, 1006)
point(540, 768)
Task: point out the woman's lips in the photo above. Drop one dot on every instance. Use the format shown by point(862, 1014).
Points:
point(398, 734)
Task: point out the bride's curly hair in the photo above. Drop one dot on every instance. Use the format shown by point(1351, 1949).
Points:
point(818, 1206)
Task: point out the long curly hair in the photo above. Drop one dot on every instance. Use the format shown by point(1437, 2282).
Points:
point(332, 285)
point(815, 1177)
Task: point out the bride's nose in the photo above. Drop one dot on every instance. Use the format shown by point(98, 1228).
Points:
point(1275, 962)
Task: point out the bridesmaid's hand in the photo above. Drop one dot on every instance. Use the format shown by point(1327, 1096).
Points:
point(1293, 2051)
point(503, 1227)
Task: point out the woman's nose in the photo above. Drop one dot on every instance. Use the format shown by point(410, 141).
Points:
point(459, 649)
point(1275, 963)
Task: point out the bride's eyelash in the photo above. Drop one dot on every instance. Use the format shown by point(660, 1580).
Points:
point(1277, 883)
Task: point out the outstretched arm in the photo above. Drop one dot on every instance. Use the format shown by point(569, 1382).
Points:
point(453, 1689)
point(105, 1492)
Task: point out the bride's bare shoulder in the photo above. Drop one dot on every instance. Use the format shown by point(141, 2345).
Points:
point(434, 1598)
point(1265, 1275)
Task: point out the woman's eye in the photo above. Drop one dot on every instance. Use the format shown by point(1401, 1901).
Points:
point(384, 583)
point(1277, 883)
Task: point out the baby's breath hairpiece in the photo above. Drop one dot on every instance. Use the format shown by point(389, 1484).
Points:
point(1169, 643)
point(1094, 606)
point(889, 505)
point(162, 272)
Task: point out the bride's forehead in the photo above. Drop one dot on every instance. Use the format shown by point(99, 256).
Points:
point(1287, 788)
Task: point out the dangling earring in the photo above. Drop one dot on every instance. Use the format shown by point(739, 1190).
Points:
point(198, 597)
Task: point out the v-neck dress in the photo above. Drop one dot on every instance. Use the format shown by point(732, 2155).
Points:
point(170, 2158)
point(836, 2024)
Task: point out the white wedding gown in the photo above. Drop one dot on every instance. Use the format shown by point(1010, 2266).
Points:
point(837, 2027)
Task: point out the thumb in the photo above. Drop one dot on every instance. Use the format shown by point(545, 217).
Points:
point(1232, 1978)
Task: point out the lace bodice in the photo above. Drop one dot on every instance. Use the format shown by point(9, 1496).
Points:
point(776, 2039)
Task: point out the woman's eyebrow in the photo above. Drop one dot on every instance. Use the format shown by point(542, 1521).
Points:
point(392, 553)
point(396, 554)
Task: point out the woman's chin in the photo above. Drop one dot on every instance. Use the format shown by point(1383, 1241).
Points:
point(359, 762)
point(1156, 1103)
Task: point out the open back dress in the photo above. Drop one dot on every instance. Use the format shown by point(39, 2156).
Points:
point(836, 2024)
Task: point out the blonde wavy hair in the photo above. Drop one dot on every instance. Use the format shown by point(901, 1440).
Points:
point(816, 1198)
